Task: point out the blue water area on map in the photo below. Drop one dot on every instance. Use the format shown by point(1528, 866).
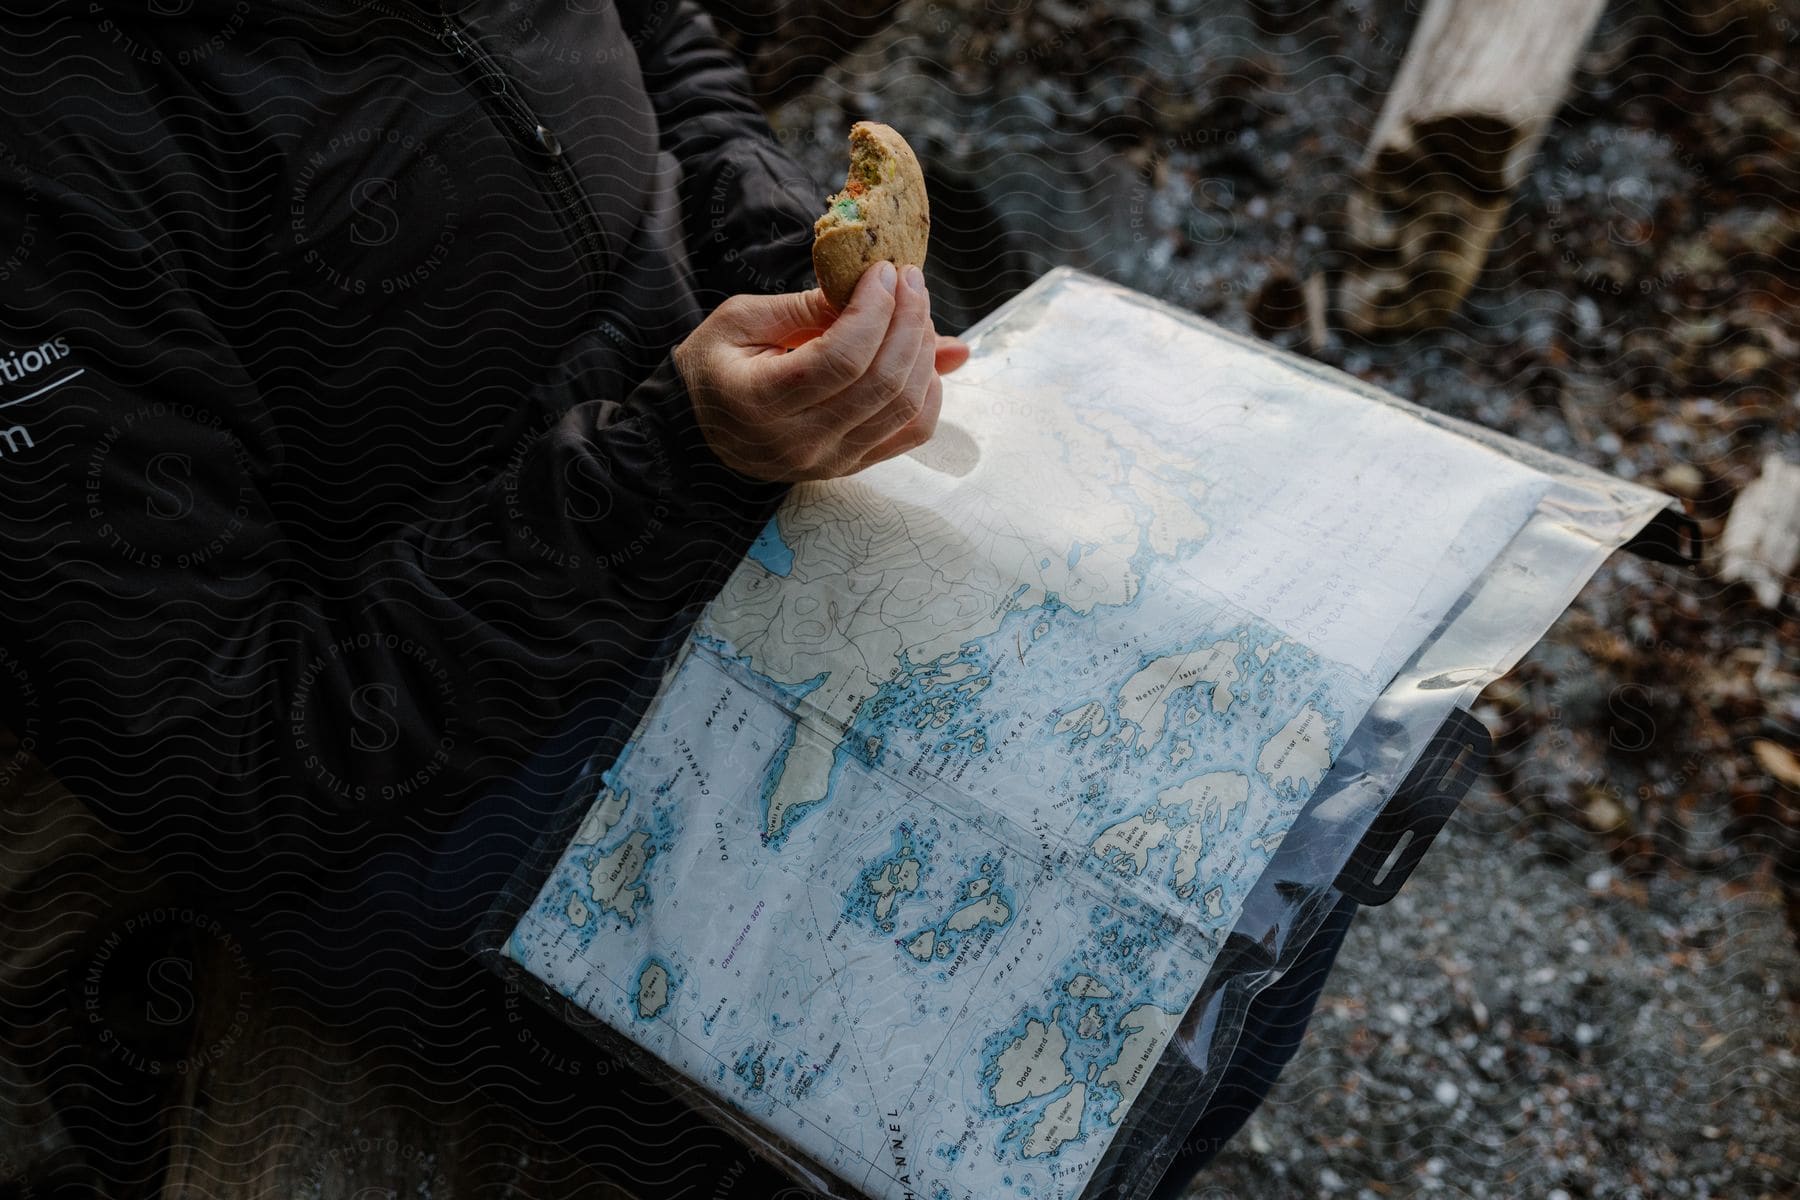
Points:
point(912, 842)
point(660, 828)
point(771, 552)
point(982, 882)
point(637, 986)
point(1091, 1025)
point(953, 705)
point(1043, 664)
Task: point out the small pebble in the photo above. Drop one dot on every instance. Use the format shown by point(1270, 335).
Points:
point(1446, 1092)
point(1587, 316)
point(1683, 479)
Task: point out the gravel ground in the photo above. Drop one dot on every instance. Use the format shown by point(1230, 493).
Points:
point(1523, 1021)
point(1589, 988)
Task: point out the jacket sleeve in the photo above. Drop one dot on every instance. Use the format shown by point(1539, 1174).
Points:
point(179, 669)
point(747, 206)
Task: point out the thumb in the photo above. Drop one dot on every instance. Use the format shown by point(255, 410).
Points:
point(784, 320)
point(951, 353)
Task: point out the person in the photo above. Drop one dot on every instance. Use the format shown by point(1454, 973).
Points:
point(385, 385)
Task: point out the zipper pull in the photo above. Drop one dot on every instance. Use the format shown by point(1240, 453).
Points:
point(453, 37)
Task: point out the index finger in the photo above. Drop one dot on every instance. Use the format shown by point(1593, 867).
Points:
point(838, 357)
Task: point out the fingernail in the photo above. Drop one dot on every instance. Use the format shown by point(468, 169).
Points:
point(915, 279)
point(884, 275)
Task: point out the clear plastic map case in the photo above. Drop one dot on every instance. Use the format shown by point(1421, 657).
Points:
point(1001, 778)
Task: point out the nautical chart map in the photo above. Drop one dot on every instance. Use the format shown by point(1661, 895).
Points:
point(948, 805)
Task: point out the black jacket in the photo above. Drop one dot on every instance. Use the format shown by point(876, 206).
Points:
point(340, 448)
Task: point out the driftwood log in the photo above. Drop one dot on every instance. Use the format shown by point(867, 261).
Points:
point(1479, 83)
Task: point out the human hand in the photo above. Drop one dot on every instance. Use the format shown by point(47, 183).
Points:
point(785, 389)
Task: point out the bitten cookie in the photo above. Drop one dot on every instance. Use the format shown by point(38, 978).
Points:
point(880, 214)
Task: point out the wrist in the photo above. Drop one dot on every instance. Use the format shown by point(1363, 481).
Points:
point(696, 441)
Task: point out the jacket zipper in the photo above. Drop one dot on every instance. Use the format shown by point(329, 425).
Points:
point(495, 87)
